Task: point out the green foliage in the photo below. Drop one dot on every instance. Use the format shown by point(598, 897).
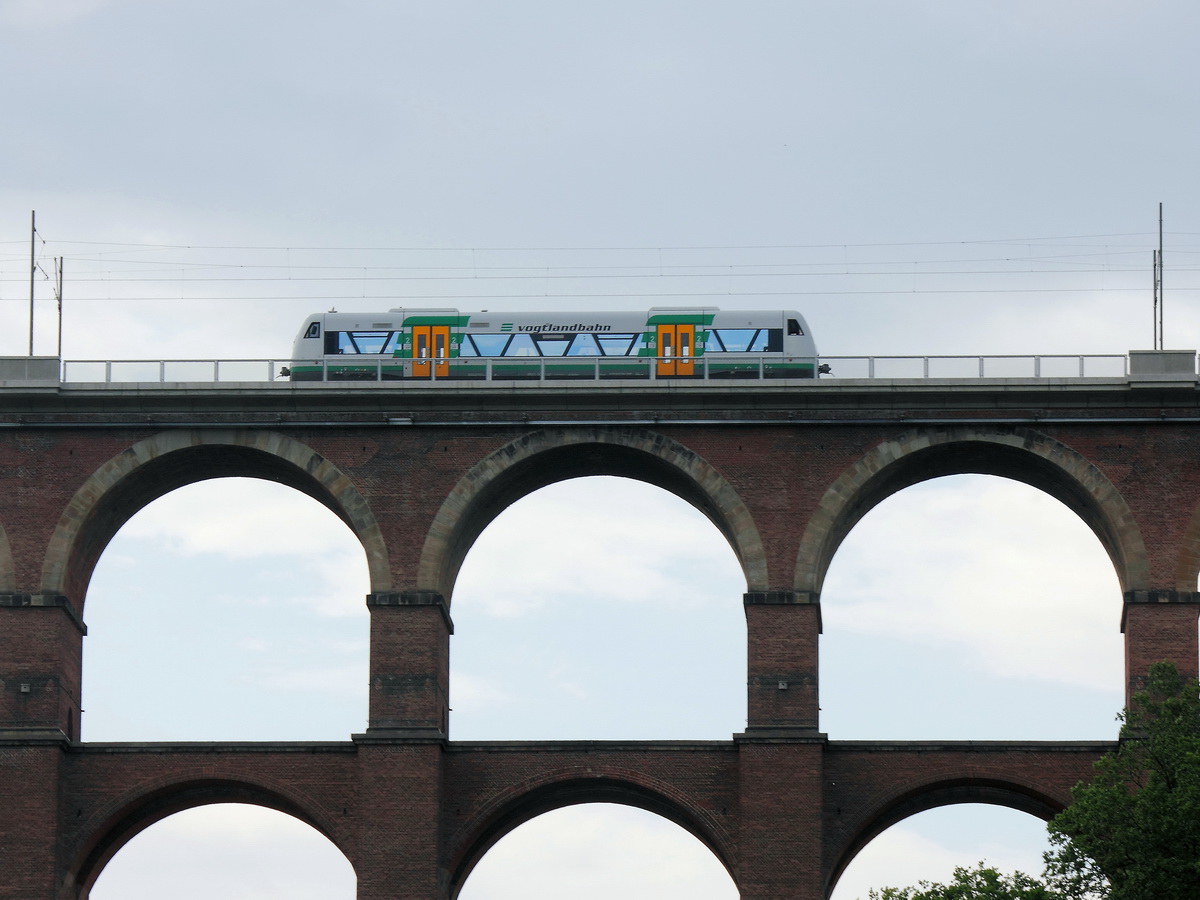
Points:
point(1133, 832)
point(980, 883)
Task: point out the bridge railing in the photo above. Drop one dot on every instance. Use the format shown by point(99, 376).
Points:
point(147, 371)
point(1011, 366)
point(538, 369)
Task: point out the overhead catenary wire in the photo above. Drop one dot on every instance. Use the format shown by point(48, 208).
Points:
point(604, 247)
point(117, 248)
point(644, 296)
point(104, 271)
point(645, 268)
point(227, 279)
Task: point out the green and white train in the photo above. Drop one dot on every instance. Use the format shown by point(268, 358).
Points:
point(665, 342)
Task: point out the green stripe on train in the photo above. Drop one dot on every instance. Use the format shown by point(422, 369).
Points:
point(682, 319)
point(459, 321)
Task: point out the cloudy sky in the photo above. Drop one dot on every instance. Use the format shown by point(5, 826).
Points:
point(925, 178)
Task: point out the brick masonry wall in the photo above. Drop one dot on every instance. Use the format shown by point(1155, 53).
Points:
point(869, 786)
point(781, 806)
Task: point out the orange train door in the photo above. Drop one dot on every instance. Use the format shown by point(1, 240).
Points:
point(676, 346)
point(431, 349)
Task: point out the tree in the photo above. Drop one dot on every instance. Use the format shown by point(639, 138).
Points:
point(980, 883)
point(1133, 832)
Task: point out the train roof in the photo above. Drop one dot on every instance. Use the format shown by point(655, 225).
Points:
point(572, 320)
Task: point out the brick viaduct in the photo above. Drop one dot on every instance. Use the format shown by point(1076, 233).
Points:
point(784, 470)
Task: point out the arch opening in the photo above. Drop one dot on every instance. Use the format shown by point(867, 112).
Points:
point(971, 607)
point(157, 466)
point(594, 841)
point(544, 458)
point(233, 850)
point(1008, 834)
point(1018, 455)
point(599, 608)
point(228, 609)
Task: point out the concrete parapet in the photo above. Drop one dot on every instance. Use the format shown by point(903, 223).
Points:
point(29, 368)
point(1162, 364)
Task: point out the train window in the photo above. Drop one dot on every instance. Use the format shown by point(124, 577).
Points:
point(745, 340)
point(314, 330)
point(552, 344)
point(774, 340)
point(490, 344)
point(584, 345)
point(466, 348)
point(719, 339)
point(736, 340)
point(363, 341)
point(521, 345)
point(794, 327)
point(617, 344)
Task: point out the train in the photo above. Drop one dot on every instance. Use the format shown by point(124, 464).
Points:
point(662, 342)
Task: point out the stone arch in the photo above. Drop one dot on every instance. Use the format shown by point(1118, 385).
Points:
point(512, 808)
point(117, 823)
point(8, 568)
point(1016, 453)
point(158, 465)
point(937, 791)
point(542, 458)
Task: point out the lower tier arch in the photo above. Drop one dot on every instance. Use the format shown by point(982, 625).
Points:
point(512, 808)
point(122, 820)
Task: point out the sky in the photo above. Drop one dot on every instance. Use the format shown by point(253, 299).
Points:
point(927, 178)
